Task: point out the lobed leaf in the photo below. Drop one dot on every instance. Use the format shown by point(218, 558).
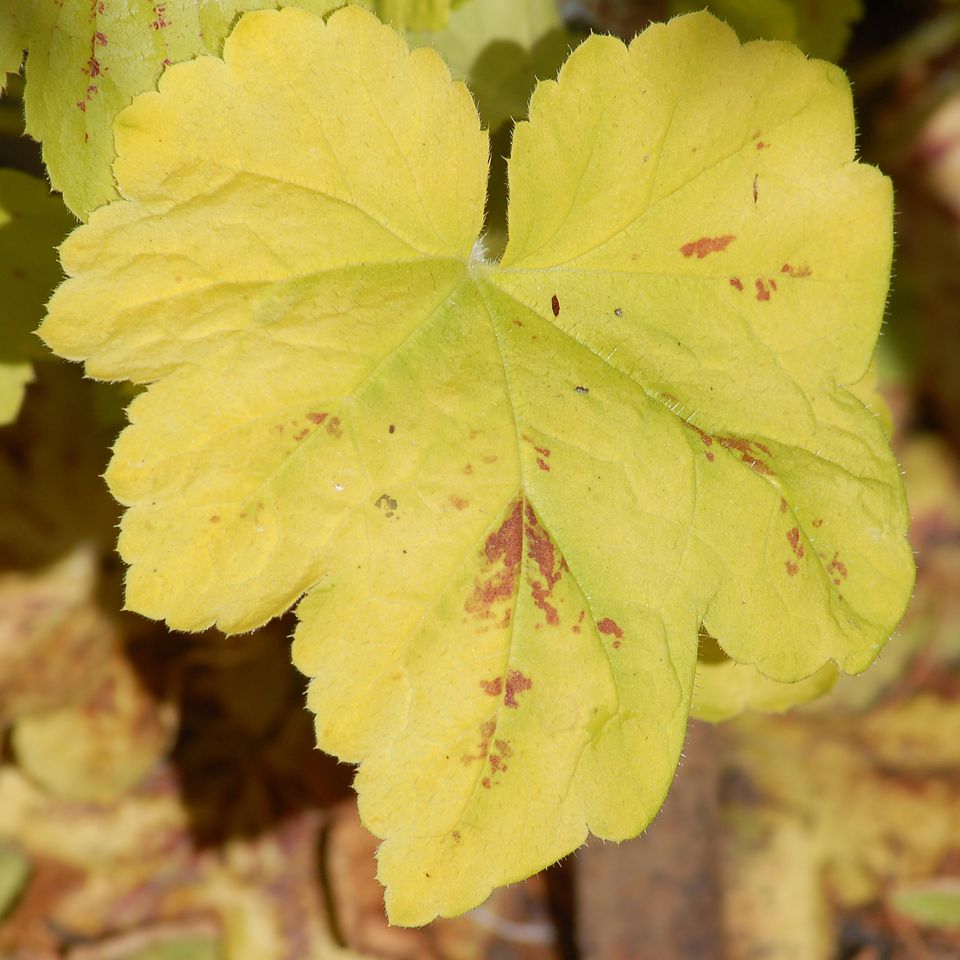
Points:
point(510, 493)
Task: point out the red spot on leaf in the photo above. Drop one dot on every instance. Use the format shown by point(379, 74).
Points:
point(316, 417)
point(516, 684)
point(555, 305)
point(707, 245)
point(496, 763)
point(493, 688)
point(736, 283)
point(543, 465)
point(301, 434)
point(576, 626)
point(761, 145)
point(792, 568)
point(611, 628)
point(485, 783)
point(763, 292)
point(783, 505)
point(710, 456)
point(796, 272)
point(93, 67)
point(100, 39)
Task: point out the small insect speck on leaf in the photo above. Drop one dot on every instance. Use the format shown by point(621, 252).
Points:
point(756, 192)
point(392, 428)
point(386, 503)
point(582, 389)
point(555, 305)
point(618, 311)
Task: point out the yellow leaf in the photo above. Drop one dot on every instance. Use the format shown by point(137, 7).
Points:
point(512, 493)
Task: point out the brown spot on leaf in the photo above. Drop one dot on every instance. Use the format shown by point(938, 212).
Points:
point(756, 187)
point(301, 435)
point(503, 747)
point(793, 538)
point(783, 505)
point(818, 522)
point(543, 465)
point(316, 417)
point(468, 469)
point(796, 272)
point(516, 684)
point(541, 551)
point(215, 519)
point(576, 626)
point(501, 554)
point(707, 245)
point(160, 13)
point(555, 305)
point(485, 783)
point(387, 504)
point(492, 688)
point(763, 291)
point(487, 729)
point(749, 451)
point(458, 502)
point(490, 458)
point(737, 284)
point(710, 456)
point(792, 568)
point(456, 836)
point(761, 145)
point(610, 628)
point(333, 428)
point(392, 428)
point(837, 569)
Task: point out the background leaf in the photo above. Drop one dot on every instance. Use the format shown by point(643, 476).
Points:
point(32, 225)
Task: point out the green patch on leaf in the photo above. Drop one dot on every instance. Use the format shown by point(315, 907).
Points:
point(14, 874)
point(933, 903)
point(510, 494)
point(32, 225)
point(500, 48)
point(821, 29)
